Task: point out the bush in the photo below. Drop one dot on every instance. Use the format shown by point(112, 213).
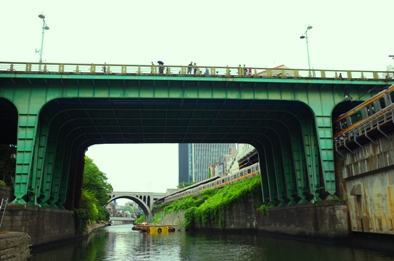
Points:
point(140, 219)
point(2, 183)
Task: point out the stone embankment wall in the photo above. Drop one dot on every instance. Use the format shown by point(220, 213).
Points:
point(327, 219)
point(7, 193)
point(43, 225)
point(14, 246)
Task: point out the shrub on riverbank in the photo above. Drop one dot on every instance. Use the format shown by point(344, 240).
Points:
point(140, 219)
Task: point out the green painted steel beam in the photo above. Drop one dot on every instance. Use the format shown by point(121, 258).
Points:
point(91, 109)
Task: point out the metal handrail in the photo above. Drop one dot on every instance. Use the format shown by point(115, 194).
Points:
point(2, 209)
point(371, 123)
point(212, 71)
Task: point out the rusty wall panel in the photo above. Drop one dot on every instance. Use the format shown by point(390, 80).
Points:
point(371, 195)
point(371, 207)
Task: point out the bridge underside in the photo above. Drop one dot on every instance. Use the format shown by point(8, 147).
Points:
point(53, 122)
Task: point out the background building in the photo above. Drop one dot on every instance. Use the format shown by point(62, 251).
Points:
point(196, 158)
point(185, 167)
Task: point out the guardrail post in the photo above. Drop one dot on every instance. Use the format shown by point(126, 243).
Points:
point(296, 74)
point(375, 76)
point(255, 72)
point(362, 75)
point(168, 70)
point(349, 75)
point(123, 69)
point(139, 70)
point(77, 69)
point(28, 67)
point(45, 68)
point(183, 70)
point(269, 73)
point(61, 68)
point(12, 67)
point(92, 69)
point(227, 71)
point(283, 74)
point(323, 74)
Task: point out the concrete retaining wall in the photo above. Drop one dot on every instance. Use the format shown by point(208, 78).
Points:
point(327, 219)
point(323, 219)
point(43, 225)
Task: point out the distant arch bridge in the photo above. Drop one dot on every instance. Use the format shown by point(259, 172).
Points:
point(144, 200)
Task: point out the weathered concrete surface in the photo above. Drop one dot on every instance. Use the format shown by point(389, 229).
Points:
point(324, 219)
point(7, 193)
point(174, 219)
point(14, 246)
point(369, 176)
point(43, 225)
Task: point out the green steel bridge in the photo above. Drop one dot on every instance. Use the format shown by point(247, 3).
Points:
point(54, 112)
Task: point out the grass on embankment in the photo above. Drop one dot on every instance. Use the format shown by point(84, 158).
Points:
point(204, 207)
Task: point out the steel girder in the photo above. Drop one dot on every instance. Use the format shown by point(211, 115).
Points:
point(203, 113)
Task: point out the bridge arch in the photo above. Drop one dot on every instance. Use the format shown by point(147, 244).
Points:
point(137, 200)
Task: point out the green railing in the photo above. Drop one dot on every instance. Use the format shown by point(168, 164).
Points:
point(184, 70)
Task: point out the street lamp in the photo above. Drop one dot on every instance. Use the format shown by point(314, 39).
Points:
point(44, 27)
point(305, 35)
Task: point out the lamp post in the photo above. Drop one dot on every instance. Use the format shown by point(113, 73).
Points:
point(305, 35)
point(44, 27)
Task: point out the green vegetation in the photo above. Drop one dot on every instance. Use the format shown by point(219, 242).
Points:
point(185, 184)
point(94, 192)
point(264, 209)
point(2, 183)
point(7, 162)
point(156, 219)
point(140, 219)
point(204, 208)
point(81, 218)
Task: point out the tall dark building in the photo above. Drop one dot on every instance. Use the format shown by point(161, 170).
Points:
point(185, 175)
point(195, 159)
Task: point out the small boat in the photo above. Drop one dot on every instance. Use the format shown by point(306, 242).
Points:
point(145, 227)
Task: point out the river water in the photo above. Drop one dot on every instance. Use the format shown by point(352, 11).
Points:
point(120, 243)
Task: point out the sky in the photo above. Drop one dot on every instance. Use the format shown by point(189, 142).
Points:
point(346, 35)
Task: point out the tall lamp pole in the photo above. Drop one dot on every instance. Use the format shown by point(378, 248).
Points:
point(44, 27)
point(305, 35)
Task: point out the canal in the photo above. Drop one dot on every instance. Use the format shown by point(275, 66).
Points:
point(120, 243)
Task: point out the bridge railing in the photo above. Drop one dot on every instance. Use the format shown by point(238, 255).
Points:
point(362, 129)
point(173, 70)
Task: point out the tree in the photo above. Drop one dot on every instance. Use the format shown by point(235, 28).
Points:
point(94, 191)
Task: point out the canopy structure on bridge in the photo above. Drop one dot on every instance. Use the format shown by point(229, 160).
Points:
point(53, 118)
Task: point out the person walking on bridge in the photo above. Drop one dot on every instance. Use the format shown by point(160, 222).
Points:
point(195, 68)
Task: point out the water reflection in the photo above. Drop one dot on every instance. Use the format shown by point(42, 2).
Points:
point(119, 243)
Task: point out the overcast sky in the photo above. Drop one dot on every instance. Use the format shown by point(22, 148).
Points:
point(351, 34)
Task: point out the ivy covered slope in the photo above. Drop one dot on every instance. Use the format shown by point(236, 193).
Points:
point(204, 208)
